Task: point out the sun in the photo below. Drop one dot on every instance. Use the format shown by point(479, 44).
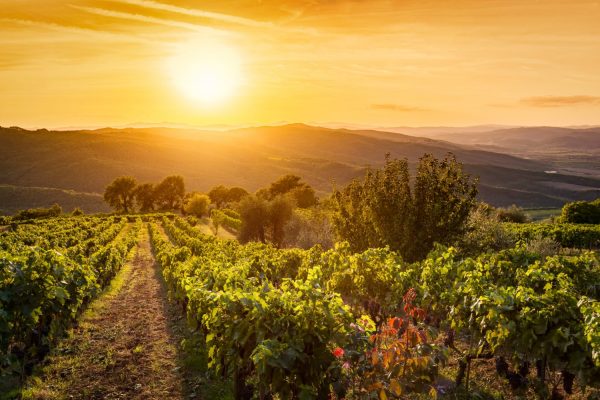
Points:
point(206, 71)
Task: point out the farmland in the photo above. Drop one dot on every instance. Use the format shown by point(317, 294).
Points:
point(290, 323)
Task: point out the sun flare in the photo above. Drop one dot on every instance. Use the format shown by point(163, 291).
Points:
point(209, 72)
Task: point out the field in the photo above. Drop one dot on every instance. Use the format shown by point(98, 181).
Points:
point(539, 214)
point(152, 306)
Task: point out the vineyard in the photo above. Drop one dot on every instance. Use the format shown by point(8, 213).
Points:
point(49, 271)
point(324, 324)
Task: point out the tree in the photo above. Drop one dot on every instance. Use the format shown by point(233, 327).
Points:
point(443, 199)
point(351, 220)
point(280, 212)
point(120, 193)
point(254, 213)
point(169, 194)
point(290, 185)
point(390, 204)
point(284, 185)
point(222, 196)
point(144, 197)
point(381, 210)
point(219, 195)
point(304, 196)
point(236, 194)
point(197, 205)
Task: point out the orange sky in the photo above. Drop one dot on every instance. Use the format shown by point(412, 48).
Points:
point(383, 63)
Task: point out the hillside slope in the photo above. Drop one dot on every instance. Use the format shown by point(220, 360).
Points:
point(86, 161)
point(568, 150)
point(14, 198)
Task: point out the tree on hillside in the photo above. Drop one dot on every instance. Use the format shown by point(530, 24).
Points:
point(382, 210)
point(284, 185)
point(169, 194)
point(443, 199)
point(236, 194)
point(218, 195)
point(221, 196)
point(304, 196)
point(197, 205)
point(120, 193)
point(291, 185)
point(280, 212)
point(254, 213)
point(144, 197)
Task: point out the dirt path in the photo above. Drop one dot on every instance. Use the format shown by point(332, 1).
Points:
point(125, 347)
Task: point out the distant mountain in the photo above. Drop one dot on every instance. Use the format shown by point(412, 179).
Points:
point(573, 150)
point(531, 139)
point(437, 131)
point(86, 161)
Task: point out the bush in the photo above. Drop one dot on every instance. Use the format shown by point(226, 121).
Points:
point(567, 235)
point(307, 228)
point(34, 213)
point(485, 233)
point(197, 205)
point(581, 212)
point(512, 214)
point(77, 212)
point(543, 246)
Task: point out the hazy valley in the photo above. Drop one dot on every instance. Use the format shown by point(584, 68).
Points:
point(530, 167)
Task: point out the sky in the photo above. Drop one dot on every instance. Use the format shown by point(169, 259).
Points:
point(90, 63)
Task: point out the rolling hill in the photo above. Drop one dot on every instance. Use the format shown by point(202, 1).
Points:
point(85, 161)
point(571, 150)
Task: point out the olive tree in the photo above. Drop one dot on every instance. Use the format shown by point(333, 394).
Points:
point(169, 193)
point(120, 194)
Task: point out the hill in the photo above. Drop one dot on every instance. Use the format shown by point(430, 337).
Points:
point(85, 161)
point(14, 198)
point(530, 139)
point(572, 150)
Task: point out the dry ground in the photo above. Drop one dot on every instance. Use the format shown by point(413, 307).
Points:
point(125, 347)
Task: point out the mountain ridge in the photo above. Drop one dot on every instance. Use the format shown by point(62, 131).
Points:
point(87, 160)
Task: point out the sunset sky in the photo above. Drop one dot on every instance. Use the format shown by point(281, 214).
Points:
point(90, 63)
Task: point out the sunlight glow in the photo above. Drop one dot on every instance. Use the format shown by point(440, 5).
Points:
point(206, 71)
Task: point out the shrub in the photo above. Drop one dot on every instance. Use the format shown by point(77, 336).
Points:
point(581, 212)
point(197, 205)
point(485, 233)
point(307, 228)
point(512, 214)
point(544, 246)
point(33, 213)
point(77, 212)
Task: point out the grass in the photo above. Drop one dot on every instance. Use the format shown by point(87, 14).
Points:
point(540, 214)
point(33, 388)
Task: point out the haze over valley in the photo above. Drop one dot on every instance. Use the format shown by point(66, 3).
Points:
point(537, 167)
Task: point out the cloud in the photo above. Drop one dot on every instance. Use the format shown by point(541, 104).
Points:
point(228, 18)
point(396, 107)
point(75, 29)
point(560, 101)
point(152, 20)
point(198, 13)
